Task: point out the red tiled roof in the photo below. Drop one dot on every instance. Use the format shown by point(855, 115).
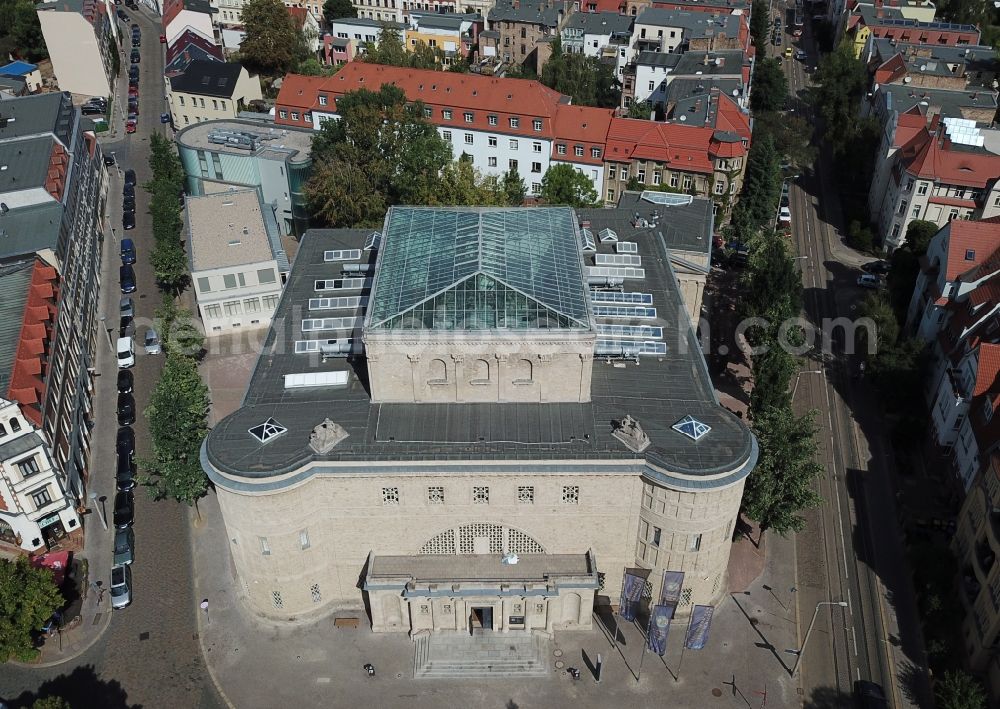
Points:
point(891, 70)
point(935, 160)
point(26, 386)
point(952, 201)
point(299, 91)
point(979, 238)
point(603, 6)
point(680, 147)
point(582, 125)
point(299, 15)
point(729, 117)
point(988, 368)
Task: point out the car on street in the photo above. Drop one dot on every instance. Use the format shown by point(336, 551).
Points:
point(133, 81)
point(151, 342)
point(124, 514)
point(128, 220)
point(136, 41)
point(784, 200)
point(130, 177)
point(109, 159)
point(126, 326)
point(164, 118)
point(128, 191)
point(125, 381)
point(133, 105)
point(128, 250)
point(788, 52)
point(879, 268)
point(125, 441)
point(93, 110)
point(126, 409)
point(126, 276)
point(126, 352)
point(784, 216)
point(868, 281)
point(130, 126)
point(134, 58)
point(125, 473)
point(121, 587)
point(124, 547)
point(801, 55)
point(133, 118)
point(126, 306)
point(133, 73)
point(777, 39)
point(122, 16)
point(869, 695)
point(163, 39)
point(133, 91)
point(128, 204)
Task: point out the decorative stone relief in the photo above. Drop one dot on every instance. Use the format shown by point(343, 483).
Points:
point(326, 436)
point(629, 432)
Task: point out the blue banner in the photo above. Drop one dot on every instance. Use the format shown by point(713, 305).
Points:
point(701, 621)
point(670, 591)
point(631, 594)
point(659, 626)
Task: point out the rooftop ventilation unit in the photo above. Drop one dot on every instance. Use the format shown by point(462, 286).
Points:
point(234, 138)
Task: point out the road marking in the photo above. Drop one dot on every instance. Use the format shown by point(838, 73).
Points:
point(854, 635)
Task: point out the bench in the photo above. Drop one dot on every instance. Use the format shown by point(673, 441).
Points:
point(345, 622)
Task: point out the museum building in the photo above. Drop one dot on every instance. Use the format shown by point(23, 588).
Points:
point(478, 417)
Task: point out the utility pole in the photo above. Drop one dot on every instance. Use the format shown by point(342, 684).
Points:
point(805, 641)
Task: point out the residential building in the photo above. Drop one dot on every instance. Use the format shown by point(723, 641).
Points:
point(361, 31)
point(218, 155)
point(210, 90)
point(337, 50)
point(194, 15)
point(53, 194)
point(455, 35)
point(588, 33)
point(80, 37)
point(27, 71)
point(889, 22)
point(237, 263)
point(526, 30)
point(36, 513)
point(13, 87)
point(188, 47)
point(306, 18)
point(957, 67)
point(938, 172)
point(658, 30)
point(648, 78)
point(885, 99)
point(426, 457)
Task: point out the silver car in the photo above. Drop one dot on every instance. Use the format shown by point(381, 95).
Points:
point(121, 586)
point(126, 308)
point(124, 547)
point(152, 342)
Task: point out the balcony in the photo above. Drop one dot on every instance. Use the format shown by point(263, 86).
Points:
point(985, 557)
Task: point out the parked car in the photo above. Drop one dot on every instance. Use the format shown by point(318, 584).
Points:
point(126, 306)
point(126, 327)
point(124, 514)
point(164, 118)
point(134, 58)
point(136, 41)
point(126, 352)
point(130, 177)
point(133, 91)
point(128, 204)
point(128, 220)
point(133, 72)
point(93, 110)
point(801, 54)
point(789, 52)
point(133, 81)
point(125, 381)
point(151, 342)
point(163, 39)
point(128, 250)
point(125, 473)
point(879, 268)
point(125, 441)
point(126, 277)
point(132, 118)
point(784, 200)
point(124, 547)
point(868, 281)
point(130, 126)
point(128, 190)
point(109, 159)
point(869, 695)
point(126, 409)
point(784, 216)
point(777, 39)
point(122, 16)
point(121, 587)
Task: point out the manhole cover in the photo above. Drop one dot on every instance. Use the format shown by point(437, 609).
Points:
point(557, 653)
point(560, 664)
point(144, 636)
point(716, 692)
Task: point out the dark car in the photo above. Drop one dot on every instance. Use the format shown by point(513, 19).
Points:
point(128, 249)
point(125, 442)
point(109, 159)
point(126, 326)
point(164, 118)
point(128, 190)
point(128, 220)
point(122, 16)
point(126, 276)
point(133, 108)
point(124, 510)
point(92, 110)
point(136, 41)
point(869, 695)
point(128, 205)
point(134, 58)
point(125, 473)
point(878, 268)
point(133, 81)
point(125, 379)
point(130, 177)
point(126, 410)
point(133, 72)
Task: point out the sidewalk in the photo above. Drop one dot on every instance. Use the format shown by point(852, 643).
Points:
point(257, 663)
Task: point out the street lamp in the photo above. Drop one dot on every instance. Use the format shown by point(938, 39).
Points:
point(805, 640)
point(805, 371)
point(107, 331)
point(100, 510)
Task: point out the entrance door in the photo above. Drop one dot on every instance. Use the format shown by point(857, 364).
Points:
point(483, 617)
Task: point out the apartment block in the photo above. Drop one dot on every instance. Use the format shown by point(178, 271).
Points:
point(210, 90)
point(81, 38)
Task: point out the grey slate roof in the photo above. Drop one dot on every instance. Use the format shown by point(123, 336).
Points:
point(14, 281)
point(694, 24)
point(20, 445)
point(685, 227)
point(600, 23)
point(536, 12)
point(660, 59)
point(366, 22)
point(682, 89)
point(208, 78)
point(901, 97)
point(893, 17)
point(487, 436)
point(726, 62)
point(30, 229)
point(31, 115)
point(24, 164)
point(444, 22)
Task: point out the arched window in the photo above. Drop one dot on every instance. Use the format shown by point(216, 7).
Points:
point(480, 372)
point(15, 425)
point(437, 372)
point(3, 431)
point(523, 370)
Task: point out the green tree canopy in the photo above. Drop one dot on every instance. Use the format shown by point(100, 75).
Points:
point(514, 187)
point(770, 87)
point(791, 133)
point(641, 110)
point(919, 234)
point(28, 598)
point(337, 9)
point(564, 184)
point(840, 81)
point(588, 81)
point(20, 31)
point(782, 483)
point(885, 328)
point(51, 703)
point(272, 44)
point(166, 188)
point(390, 50)
point(760, 24)
point(959, 690)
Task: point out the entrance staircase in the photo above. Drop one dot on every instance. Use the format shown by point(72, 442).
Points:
point(486, 654)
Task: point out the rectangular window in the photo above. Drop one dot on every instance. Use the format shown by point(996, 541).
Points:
point(480, 495)
point(251, 305)
point(229, 280)
point(232, 307)
point(536, 167)
point(673, 179)
point(213, 311)
point(295, 115)
point(916, 213)
point(515, 122)
point(215, 105)
point(270, 301)
point(322, 100)
point(536, 124)
point(536, 147)
point(304, 539)
point(902, 207)
point(720, 187)
point(536, 188)
point(307, 117)
point(513, 144)
point(204, 285)
point(578, 151)
point(467, 116)
point(694, 542)
point(265, 275)
point(687, 182)
point(28, 466)
point(595, 153)
point(202, 102)
point(468, 138)
point(512, 165)
point(41, 497)
point(492, 140)
point(571, 494)
point(283, 114)
point(265, 548)
point(491, 161)
point(435, 495)
point(525, 494)
point(611, 195)
point(612, 173)
point(652, 85)
point(390, 496)
point(655, 539)
point(492, 120)
point(561, 149)
point(446, 114)
point(428, 112)
point(446, 134)
point(217, 166)
point(181, 99)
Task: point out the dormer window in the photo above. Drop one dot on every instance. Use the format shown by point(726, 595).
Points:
point(970, 254)
point(15, 425)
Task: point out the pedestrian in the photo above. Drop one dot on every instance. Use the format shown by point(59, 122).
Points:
point(370, 669)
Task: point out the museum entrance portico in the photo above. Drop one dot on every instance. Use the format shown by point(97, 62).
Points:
point(481, 593)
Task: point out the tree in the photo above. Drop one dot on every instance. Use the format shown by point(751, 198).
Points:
point(462, 184)
point(781, 484)
point(337, 9)
point(640, 110)
point(514, 188)
point(840, 81)
point(177, 415)
point(919, 233)
point(959, 690)
point(51, 703)
point(886, 329)
point(170, 265)
point(389, 49)
point(28, 598)
point(272, 44)
point(313, 67)
point(791, 134)
point(770, 87)
point(772, 371)
point(178, 330)
point(564, 184)
point(20, 31)
point(760, 24)
point(586, 79)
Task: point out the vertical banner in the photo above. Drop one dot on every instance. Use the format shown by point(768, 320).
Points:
point(701, 621)
point(670, 591)
point(631, 593)
point(659, 626)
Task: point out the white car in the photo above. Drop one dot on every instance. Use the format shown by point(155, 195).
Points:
point(126, 353)
point(121, 586)
point(868, 281)
point(784, 216)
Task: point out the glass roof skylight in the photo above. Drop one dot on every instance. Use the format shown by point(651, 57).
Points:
point(267, 430)
point(692, 428)
point(479, 269)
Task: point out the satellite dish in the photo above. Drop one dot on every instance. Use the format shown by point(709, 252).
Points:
point(683, 118)
point(736, 92)
point(907, 79)
point(923, 67)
